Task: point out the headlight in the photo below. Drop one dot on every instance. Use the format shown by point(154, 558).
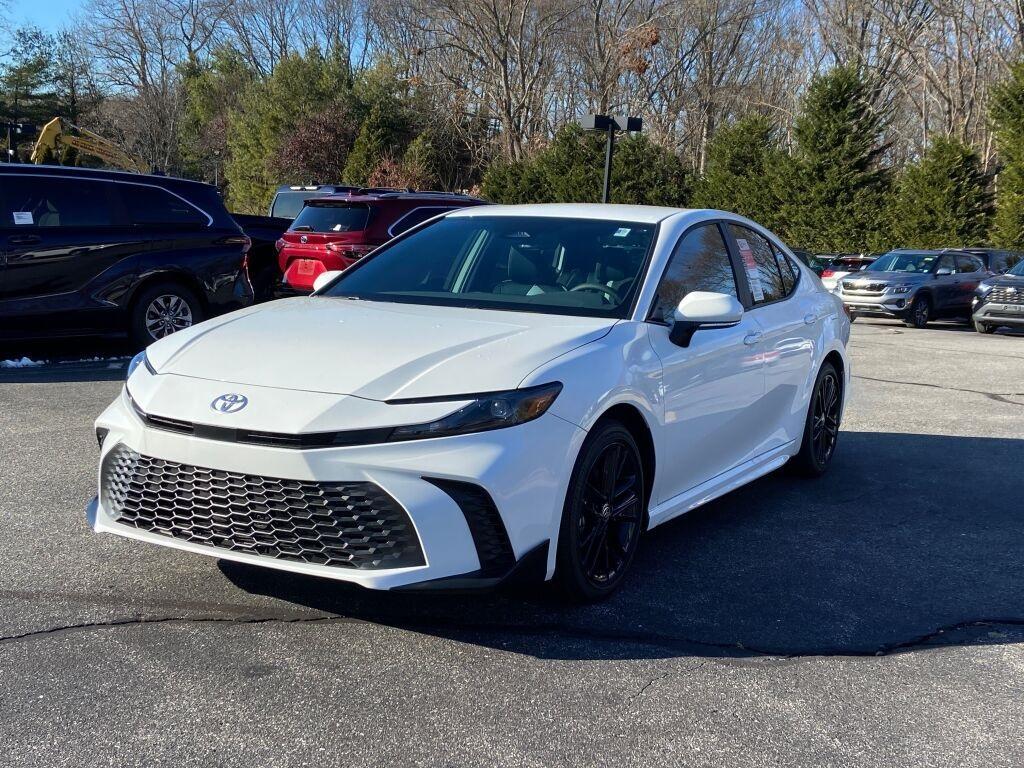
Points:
point(490, 411)
point(983, 290)
point(901, 288)
point(139, 359)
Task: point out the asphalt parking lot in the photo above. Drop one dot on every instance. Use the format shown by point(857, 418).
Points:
point(875, 617)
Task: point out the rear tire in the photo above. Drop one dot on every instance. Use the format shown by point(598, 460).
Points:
point(920, 312)
point(161, 309)
point(603, 516)
point(984, 327)
point(821, 429)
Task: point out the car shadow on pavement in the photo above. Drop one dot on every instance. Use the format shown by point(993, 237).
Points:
point(909, 541)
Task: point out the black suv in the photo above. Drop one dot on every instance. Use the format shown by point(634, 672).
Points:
point(87, 252)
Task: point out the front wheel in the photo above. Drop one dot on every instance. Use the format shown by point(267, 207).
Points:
point(984, 327)
point(603, 515)
point(919, 313)
point(821, 430)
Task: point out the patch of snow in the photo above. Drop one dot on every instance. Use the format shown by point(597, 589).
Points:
point(23, 363)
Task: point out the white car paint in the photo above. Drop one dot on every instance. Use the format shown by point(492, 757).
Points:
point(721, 412)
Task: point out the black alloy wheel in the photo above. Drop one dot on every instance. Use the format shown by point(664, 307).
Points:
point(604, 514)
point(821, 432)
point(920, 312)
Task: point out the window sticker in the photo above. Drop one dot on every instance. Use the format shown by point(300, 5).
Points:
point(753, 273)
point(23, 217)
point(622, 232)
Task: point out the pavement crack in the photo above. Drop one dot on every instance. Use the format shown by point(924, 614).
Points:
point(997, 396)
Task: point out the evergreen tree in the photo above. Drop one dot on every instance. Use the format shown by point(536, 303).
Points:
point(835, 188)
point(742, 159)
point(381, 134)
point(1007, 113)
point(268, 112)
point(943, 200)
point(422, 161)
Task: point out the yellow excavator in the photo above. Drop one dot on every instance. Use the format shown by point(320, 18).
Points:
point(60, 133)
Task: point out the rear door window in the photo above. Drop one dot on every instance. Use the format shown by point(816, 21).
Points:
point(50, 202)
point(969, 264)
point(762, 269)
point(149, 205)
point(332, 218)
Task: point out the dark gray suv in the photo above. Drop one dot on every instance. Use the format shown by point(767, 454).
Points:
point(914, 286)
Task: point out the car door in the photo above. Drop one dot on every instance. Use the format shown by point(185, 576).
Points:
point(970, 270)
point(68, 251)
point(790, 323)
point(711, 386)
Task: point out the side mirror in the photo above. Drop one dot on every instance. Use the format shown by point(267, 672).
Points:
point(324, 278)
point(943, 271)
point(703, 309)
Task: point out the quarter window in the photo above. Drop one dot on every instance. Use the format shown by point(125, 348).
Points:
point(763, 272)
point(153, 205)
point(700, 262)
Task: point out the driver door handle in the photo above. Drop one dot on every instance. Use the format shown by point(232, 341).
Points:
point(24, 239)
point(752, 338)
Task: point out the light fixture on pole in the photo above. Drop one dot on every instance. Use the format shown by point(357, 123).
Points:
point(609, 124)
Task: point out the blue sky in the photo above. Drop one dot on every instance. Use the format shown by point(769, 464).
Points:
point(48, 14)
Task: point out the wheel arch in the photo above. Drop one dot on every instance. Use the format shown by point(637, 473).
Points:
point(166, 276)
point(633, 419)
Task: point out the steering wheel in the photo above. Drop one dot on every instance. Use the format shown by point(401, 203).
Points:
point(615, 298)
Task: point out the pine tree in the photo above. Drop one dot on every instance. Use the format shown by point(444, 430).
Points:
point(380, 135)
point(1007, 113)
point(422, 161)
point(943, 200)
point(742, 157)
point(835, 187)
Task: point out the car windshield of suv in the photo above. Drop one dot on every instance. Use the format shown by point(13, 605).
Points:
point(288, 204)
point(1017, 269)
point(904, 262)
point(319, 217)
point(588, 267)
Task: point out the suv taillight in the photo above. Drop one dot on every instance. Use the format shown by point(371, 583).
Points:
point(349, 251)
point(827, 272)
point(279, 244)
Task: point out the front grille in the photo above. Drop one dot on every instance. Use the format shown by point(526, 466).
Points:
point(853, 286)
point(1005, 294)
point(347, 525)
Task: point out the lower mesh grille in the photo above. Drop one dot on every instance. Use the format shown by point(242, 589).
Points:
point(347, 525)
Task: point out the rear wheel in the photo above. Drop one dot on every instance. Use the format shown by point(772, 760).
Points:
point(821, 431)
point(161, 309)
point(603, 515)
point(919, 313)
point(984, 327)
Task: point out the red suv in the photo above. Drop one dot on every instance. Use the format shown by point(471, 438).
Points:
point(334, 231)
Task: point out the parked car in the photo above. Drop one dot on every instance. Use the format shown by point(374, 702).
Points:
point(333, 232)
point(840, 266)
point(914, 286)
point(88, 252)
point(505, 392)
point(263, 232)
point(289, 198)
point(996, 260)
point(999, 301)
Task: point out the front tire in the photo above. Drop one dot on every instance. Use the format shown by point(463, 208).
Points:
point(821, 430)
point(984, 327)
point(920, 312)
point(603, 516)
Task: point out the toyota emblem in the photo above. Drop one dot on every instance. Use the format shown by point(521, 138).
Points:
point(230, 403)
point(303, 239)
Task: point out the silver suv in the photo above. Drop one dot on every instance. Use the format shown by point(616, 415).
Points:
point(914, 286)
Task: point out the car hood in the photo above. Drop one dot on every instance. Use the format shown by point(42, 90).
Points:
point(373, 350)
point(888, 277)
point(1014, 280)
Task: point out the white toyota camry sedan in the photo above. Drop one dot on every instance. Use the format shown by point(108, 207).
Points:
point(501, 393)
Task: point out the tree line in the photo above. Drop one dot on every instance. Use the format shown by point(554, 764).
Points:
point(844, 125)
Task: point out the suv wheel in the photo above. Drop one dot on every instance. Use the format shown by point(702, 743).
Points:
point(984, 327)
point(919, 313)
point(603, 515)
point(162, 309)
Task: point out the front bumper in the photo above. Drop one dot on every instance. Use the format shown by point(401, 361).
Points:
point(524, 470)
point(999, 314)
point(880, 305)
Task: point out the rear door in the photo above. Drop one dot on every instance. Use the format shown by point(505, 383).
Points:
point(69, 254)
point(970, 270)
point(789, 322)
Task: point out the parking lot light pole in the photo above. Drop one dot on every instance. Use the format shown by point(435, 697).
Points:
point(609, 124)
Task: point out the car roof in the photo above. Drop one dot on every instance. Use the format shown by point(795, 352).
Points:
point(374, 195)
point(611, 211)
point(96, 173)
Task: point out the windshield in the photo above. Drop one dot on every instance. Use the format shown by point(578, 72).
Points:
point(1017, 269)
point(331, 218)
point(288, 204)
point(531, 264)
point(904, 262)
